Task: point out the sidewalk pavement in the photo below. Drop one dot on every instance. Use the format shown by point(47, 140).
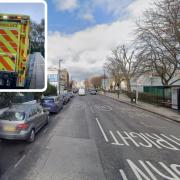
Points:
point(162, 111)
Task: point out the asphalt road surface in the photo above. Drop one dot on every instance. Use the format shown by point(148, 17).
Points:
point(95, 137)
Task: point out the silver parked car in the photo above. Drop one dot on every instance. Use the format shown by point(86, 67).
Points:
point(22, 122)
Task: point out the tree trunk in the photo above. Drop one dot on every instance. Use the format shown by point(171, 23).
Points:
point(128, 84)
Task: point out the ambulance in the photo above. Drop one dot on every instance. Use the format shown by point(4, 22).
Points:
point(14, 50)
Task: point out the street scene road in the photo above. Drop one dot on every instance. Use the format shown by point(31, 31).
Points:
point(111, 106)
point(96, 137)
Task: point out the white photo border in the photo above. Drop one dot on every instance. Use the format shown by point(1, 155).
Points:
point(45, 45)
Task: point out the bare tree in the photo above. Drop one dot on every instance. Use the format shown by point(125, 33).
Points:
point(123, 63)
point(96, 81)
point(168, 16)
point(37, 37)
point(114, 71)
point(158, 36)
point(87, 83)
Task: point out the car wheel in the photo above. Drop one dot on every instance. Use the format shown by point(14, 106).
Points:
point(31, 136)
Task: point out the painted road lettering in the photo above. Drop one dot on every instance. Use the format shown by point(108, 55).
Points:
point(147, 143)
point(126, 138)
point(145, 170)
point(147, 140)
point(115, 140)
point(163, 142)
point(170, 139)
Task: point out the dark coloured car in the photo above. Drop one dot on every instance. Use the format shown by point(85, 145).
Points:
point(22, 122)
point(93, 92)
point(75, 90)
point(71, 94)
point(66, 98)
point(52, 103)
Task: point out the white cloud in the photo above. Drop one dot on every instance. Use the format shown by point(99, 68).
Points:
point(88, 49)
point(84, 52)
point(66, 5)
point(137, 8)
point(111, 6)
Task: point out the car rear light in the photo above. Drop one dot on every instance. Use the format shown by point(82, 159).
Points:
point(22, 126)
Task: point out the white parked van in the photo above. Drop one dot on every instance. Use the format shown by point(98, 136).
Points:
point(82, 92)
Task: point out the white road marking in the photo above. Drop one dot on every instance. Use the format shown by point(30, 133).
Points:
point(127, 137)
point(124, 138)
point(103, 107)
point(170, 139)
point(123, 174)
point(145, 170)
point(105, 137)
point(106, 108)
point(19, 161)
point(116, 142)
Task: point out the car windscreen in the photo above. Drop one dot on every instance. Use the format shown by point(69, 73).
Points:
point(12, 116)
point(48, 100)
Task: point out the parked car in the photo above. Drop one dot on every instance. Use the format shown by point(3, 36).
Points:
point(52, 103)
point(71, 94)
point(93, 92)
point(82, 92)
point(75, 90)
point(66, 98)
point(22, 122)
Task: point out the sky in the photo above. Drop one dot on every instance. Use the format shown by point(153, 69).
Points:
point(84, 32)
point(34, 10)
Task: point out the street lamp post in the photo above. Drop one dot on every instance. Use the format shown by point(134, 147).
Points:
point(59, 74)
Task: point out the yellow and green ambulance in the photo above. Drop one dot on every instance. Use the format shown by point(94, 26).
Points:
point(14, 50)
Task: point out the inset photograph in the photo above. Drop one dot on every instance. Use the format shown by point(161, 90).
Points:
point(22, 45)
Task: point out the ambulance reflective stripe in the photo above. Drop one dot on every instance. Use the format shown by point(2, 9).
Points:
point(8, 47)
point(14, 45)
point(12, 37)
point(12, 33)
point(9, 39)
point(8, 60)
point(4, 66)
point(3, 47)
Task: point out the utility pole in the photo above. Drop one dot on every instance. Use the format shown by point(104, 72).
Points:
point(59, 74)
